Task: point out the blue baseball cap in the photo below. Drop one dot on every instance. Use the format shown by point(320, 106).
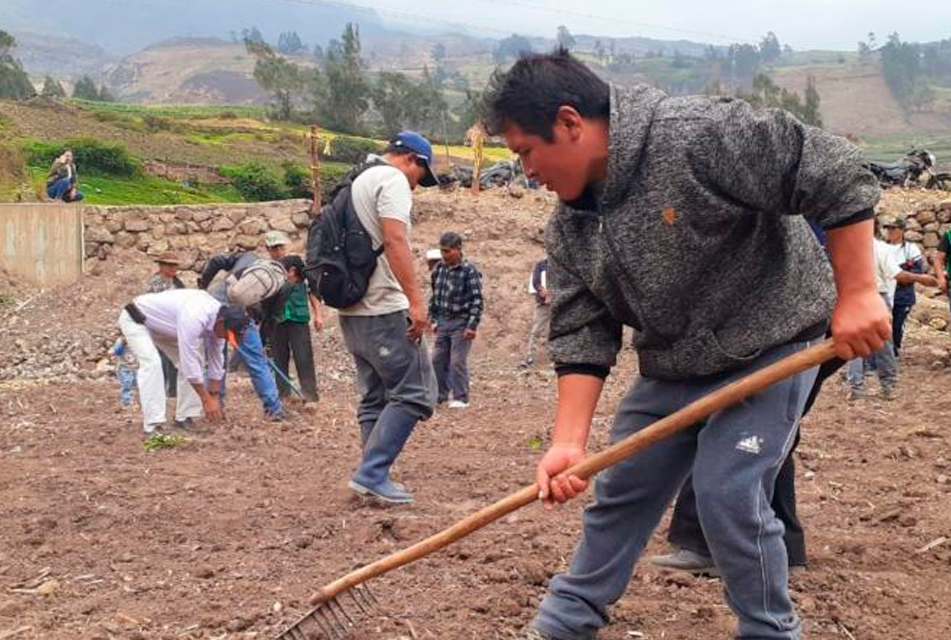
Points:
point(423, 150)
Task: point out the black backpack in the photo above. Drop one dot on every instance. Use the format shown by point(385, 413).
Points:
point(340, 253)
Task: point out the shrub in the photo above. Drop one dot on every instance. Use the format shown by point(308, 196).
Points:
point(256, 182)
point(92, 156)
point(297, 179)
point(352, 150)
point(155, 123)
point(330, 175)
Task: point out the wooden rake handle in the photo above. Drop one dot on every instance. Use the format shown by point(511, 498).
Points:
point(690, 415)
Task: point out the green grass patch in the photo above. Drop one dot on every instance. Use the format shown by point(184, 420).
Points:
point(174, 111)
point(110, 190)
point(91, 155)
point(163, 441)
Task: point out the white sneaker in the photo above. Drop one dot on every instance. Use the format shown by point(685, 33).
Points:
point(458, 404)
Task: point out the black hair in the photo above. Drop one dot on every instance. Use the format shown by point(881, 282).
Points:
point(531, 92)
point(450, 240)
point(394, 149)
point(293, 262)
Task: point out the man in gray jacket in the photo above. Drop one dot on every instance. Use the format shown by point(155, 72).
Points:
point(683, 217)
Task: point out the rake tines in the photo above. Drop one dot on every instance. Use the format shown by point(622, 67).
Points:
point(333, 618)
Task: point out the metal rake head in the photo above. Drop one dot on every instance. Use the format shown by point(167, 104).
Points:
point(334, 618)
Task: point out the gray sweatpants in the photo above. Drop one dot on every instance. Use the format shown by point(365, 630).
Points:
point(390, 368)
point(735, 458)
point(539, 332)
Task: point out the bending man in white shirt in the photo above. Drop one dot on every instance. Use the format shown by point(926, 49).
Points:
point(189, 326)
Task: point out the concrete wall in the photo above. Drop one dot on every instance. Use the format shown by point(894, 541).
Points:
point(42, 243)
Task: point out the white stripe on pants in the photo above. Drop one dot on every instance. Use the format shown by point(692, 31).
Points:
point(151, 378)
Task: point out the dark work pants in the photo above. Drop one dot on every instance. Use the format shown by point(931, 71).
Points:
point(899, 315)
point(294, 337)
point(171, 376)
point(685, 530)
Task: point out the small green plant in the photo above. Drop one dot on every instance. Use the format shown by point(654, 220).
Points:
point(163, 441)
point(297, 180)
point(256, 182)
point(535, 443)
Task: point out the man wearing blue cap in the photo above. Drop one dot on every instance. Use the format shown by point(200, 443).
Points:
point(384, 331)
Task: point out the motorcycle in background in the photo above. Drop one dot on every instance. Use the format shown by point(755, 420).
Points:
point(915, 169)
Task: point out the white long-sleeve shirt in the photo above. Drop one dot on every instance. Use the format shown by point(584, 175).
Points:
point(188, 316)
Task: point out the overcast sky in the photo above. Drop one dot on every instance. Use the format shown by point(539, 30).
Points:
point(804, 24)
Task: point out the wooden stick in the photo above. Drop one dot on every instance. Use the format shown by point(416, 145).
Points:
point(315, 169)
point(688, 416)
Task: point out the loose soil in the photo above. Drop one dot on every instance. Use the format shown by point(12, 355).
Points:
point(228, 535)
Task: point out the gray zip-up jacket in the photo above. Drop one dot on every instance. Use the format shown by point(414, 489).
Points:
point(697, 237)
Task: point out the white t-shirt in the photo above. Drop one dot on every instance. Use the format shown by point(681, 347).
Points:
point(887, 269)
point(906, 251)
point(381, 192)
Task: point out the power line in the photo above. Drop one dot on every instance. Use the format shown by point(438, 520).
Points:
point(405, 15)
point(456, 24)
point(616, 20)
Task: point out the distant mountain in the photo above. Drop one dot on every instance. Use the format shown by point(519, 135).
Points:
point(127, 26)
point(633, 44)
point(186, 70)
point(61, 58)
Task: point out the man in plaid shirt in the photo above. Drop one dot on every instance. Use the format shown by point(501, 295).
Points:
point(455, 310)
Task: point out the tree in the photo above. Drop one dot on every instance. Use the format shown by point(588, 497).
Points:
point(85, 89)
point(439, 53)
point(769, 48)
point(252, 35)
point(901, 66)
point(289, 43)
point(565, 39)
point(511, 48)
point(767, 94)
point(277, 76)
point(599, 51)
point(810, 110)
point(404, 104)
point(347, 89)
point(14, 83)
point(52, 88)
point(105, 95)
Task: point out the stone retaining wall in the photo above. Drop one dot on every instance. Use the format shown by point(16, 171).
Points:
point(925, 226)
point(194, 232)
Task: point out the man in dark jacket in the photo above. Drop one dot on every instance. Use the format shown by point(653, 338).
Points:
point(251, 350)
point(683, 217)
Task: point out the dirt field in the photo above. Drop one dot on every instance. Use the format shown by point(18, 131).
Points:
point(227, 536)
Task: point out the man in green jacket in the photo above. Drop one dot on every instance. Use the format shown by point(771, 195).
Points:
point(291, 332)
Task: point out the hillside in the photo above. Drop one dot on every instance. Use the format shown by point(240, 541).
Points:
point(187, 70)
point(60, 57)
point(856, 101)
point(182, 149)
